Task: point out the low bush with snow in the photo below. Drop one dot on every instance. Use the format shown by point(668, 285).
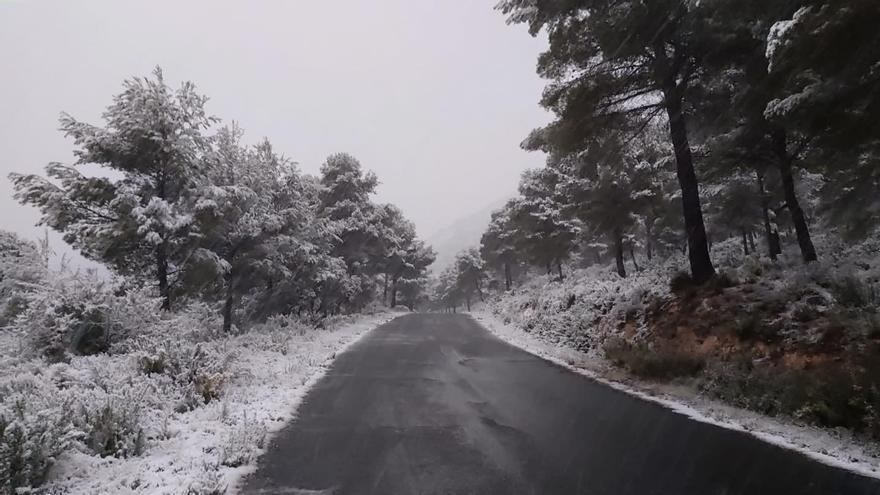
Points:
point(156, 402)
point(591, 304)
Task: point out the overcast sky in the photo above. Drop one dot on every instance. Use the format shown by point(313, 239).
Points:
point(434, 96)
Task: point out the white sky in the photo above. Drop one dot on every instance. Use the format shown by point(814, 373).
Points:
point(434, 96)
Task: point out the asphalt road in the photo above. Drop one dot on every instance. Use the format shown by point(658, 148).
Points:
point(434, 404)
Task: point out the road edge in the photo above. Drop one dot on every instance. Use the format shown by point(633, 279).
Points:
point(370, 323)
point(567, 358)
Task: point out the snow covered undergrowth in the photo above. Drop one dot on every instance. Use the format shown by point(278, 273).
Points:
point(174, 412)
point(785, 351)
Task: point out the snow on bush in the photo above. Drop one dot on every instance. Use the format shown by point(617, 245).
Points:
point(579, 311)
point(157, 402)
point(34, 430)
point(74, 313)
point(587, 307)
point(22, 263)
point(243, 443)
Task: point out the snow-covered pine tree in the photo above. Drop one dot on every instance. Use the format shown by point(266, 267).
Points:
point(352, 219)
point(138, 218)
point(469, 275)
point(404, 258)
point(621, 65)
point(547, 232)
point(239, 212)
point(825, 57)
point(498, 245)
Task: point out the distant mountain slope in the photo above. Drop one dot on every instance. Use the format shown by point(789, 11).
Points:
point(461, 234)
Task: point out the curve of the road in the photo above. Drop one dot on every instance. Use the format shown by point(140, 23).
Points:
point(435, 404)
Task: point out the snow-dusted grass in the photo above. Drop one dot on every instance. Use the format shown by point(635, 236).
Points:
point(833, 447)
point(193, 414)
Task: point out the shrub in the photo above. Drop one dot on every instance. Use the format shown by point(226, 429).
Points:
point(82, 315)
point(681, 282)
point(804, 312)
point(849, 291)
point(31, 436)
point(11, 307)
point(70, 327)
point(752, 327)
point(751, 269)
point(22, 266)
point(243, 444)
point(198, 369)
point(722, 280)
point(658, 364)
point(872, 326)
point(208, 481)
point(831, 395)
point(113, 429)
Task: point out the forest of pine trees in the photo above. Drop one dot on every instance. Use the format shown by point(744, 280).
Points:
point(190, 209)
point(682, 124)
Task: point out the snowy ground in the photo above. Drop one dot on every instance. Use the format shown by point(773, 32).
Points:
point(836, 448)
point(208, 449)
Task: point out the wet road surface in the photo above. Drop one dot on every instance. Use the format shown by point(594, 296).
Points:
point(434, 404)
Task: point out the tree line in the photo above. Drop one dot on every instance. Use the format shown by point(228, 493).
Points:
point(190, 208)
point(773, 103)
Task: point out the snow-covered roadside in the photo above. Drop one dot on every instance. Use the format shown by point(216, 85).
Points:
point(836, 448)
point(209, 449)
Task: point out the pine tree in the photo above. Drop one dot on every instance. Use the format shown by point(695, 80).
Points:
point(620, 65)
point(351, 219)
point(139, 224)
point(825, 58)
point(601, 196)
point(239, 213)
point(469, 275)
point(498, 244)
point(547, 233)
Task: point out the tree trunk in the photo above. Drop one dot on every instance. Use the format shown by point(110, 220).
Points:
point(394, 292)
point(559, 270)
point(162, 249)
point(698, 246)
point(752, 242)
point(618, 254)
point(507, 276)
point(162, 274)
point(632, 255)
point(649, 241)
point(227, 307)
point(467, 301)
point(773, 246)
point(745, 243)
point(808, 252)
point(385, 289)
